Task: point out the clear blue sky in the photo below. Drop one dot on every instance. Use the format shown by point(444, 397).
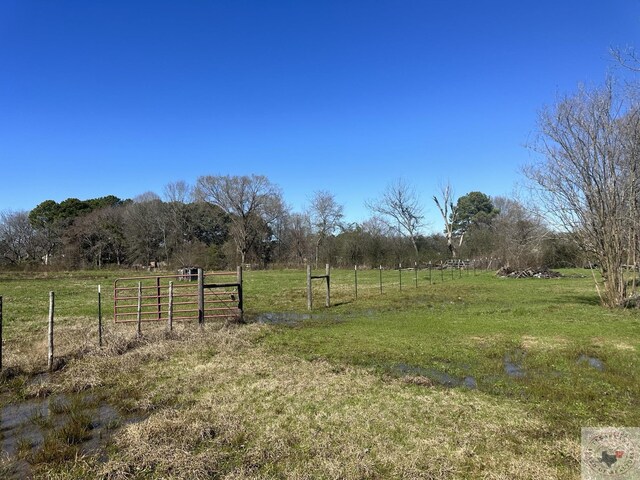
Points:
point(123, 97)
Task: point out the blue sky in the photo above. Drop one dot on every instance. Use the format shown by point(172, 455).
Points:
point(123, 97)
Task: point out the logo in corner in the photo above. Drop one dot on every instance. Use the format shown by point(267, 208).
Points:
point(612, 453)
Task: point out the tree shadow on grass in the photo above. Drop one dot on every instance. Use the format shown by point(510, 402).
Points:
point(345, 302)
point(584, 300)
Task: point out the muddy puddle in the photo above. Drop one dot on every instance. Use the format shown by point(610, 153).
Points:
point(512, 362)
point(437, 376)
point(291, 318)
point(591, 361)
point(280, 318)
point(82, 423)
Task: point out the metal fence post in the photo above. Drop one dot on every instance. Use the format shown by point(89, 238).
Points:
point(200, 297)
point(170, 308)
point(240, 299)
point(159, 294)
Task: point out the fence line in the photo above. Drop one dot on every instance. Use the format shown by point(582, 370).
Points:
point(359, 284)
point(364, 280)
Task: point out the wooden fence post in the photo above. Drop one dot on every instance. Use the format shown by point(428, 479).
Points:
point(170, 313)
point(99, 317)
point(380, 279)
point(139, 311)
point(309, 292)
point(239, 280)
point(200, 297)
point(415, 267)
point(328, 273)
point(430, 278)
point(400, 273)
point(51, 309)
point(355, 272)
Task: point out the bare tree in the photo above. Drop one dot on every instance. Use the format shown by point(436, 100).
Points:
point(326, 215)
point(177, 195)
point(299, 233)
point(252, 202)
point(400, 207)
point(145, 228)
point(626, 57)
point(587, 178)
point(449, 214)
point(18, 238)
point(518, 234)
point(378, 237)
point(178, 192)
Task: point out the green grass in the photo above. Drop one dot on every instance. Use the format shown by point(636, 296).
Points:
point(467, 327)
point(355, 391)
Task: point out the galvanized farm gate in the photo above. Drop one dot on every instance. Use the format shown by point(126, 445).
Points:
point(181, 297)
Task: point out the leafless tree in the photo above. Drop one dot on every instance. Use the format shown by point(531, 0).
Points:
point(252, 202)
point(446, 207)
point(145, 228)
point(18, 238)
point(400, 208)
point(587, 178)
point(177, 195)
point(299, 232)
point(325, 214)
point(178, 192)
point(626, 57)
point(518, 234)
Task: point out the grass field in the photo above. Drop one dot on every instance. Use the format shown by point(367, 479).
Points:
point(463, 376)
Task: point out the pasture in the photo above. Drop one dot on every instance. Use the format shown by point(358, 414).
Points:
point(463, 376)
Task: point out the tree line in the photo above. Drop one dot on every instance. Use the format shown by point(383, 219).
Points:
point(586, 175)
point(223, 221)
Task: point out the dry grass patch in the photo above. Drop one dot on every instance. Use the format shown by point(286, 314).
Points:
point(543, 343)
point(247, 413)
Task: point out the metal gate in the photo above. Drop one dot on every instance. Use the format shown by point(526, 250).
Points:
point(184, 297)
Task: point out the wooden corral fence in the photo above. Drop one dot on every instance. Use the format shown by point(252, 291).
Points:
point(178, 297)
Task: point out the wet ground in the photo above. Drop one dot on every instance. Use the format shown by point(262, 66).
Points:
point(512, 361)
point(437, 376)
point(512, 367)
point(286, 318)
point(80, 423)
point(591, 362)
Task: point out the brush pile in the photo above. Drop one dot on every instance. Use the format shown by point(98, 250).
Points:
point(507, 272)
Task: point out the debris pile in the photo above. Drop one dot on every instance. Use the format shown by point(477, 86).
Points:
point(507, 272)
